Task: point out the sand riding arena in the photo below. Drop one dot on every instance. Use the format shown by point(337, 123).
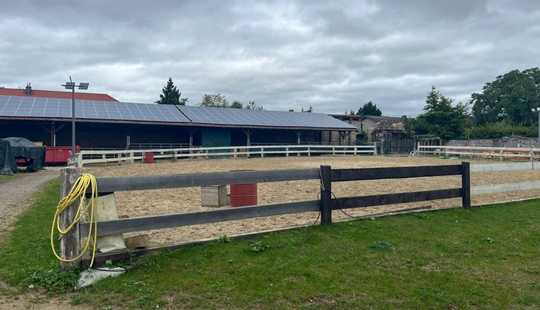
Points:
point(187, 200)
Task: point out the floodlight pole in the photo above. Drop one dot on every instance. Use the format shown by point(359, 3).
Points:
point(73, 147)
point(71, 85)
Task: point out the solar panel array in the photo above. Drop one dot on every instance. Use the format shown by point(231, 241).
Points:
point(43, 108)
point(241, 117)
point(18, 106)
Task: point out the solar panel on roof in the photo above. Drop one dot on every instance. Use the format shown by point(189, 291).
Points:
point(34, 107)
point(239, 117)
point(18, 106)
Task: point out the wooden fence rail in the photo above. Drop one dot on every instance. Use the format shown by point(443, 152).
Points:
point(117, 184)
point(325, 205)
point(109, 156)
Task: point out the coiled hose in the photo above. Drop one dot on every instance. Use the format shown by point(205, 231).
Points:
point(87, 207)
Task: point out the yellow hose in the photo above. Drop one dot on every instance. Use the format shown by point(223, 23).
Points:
point(86, 206)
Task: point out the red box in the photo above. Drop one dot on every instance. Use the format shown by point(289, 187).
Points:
point(55, 155)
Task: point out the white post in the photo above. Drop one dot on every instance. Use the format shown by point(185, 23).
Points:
point(308, 151)
point(333, 150)
point(79, 160)
point(262, 151)
point(287, 151)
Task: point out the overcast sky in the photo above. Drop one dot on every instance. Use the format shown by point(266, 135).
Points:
point(333, 55)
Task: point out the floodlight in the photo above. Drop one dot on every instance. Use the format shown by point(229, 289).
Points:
point(69, 85)
point(83, 85)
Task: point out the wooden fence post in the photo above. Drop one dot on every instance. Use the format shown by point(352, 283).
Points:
point(326, 195)
point(466, 184)
point(70, 243)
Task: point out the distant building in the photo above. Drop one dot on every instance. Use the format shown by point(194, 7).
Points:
point(53, 94)
point(374, 128)
point(388, 132)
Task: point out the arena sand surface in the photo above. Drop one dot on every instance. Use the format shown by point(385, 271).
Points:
point(184, 200)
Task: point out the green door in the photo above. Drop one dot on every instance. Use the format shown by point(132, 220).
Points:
point(215, 137)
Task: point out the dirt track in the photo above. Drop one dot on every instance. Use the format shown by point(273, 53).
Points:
point(133, 204)
point(15, 195)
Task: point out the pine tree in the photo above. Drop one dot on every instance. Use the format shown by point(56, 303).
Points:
point(171, 95)
point(369, 109)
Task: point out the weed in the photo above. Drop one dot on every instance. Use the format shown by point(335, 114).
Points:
point(258, 246)
point(382, 245)
point(54, 280)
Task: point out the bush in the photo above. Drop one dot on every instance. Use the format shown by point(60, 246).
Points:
point(499, 130)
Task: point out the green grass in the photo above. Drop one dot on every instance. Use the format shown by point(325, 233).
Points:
point(6, 178)
point(27, 249)
point(479, 258)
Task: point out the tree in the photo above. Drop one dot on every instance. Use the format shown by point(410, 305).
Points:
point(236, 105)
point(217, 100)
point(513, 98)
point(171, 95)
point(308, 110)
point(253, 106)
point(369, 109)
point(441, 118)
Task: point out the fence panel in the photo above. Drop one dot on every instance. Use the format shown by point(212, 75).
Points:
point(500, 153)
point(324, 205)
point(110, 156)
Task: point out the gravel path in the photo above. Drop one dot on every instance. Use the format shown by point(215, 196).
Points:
point(15, 195)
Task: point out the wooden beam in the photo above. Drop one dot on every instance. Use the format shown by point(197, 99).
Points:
point(186, 219)
point(387, 199)
point(70, 244)
point(466, 184)
point(340, 175)
point(326, 195)
point(116, 184)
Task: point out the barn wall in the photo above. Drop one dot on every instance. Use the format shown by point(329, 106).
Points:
point(100, 135)
point(33, 131)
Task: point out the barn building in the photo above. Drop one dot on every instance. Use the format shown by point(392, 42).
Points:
point(109, 124)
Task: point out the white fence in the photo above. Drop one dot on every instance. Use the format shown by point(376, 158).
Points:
point(500, 153)
point(531, 155)
point(109, 156)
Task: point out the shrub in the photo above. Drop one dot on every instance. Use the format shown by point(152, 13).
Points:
point(499, 130)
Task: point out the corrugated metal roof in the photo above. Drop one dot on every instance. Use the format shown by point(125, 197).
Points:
point(47, 108)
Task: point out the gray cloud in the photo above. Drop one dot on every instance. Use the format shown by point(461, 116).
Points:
point(283, 54)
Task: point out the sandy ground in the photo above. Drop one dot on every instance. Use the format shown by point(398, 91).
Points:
point(141, 203)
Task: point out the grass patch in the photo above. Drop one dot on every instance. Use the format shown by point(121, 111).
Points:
point(25, 256)
point(479, 258)
point(7, 178)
